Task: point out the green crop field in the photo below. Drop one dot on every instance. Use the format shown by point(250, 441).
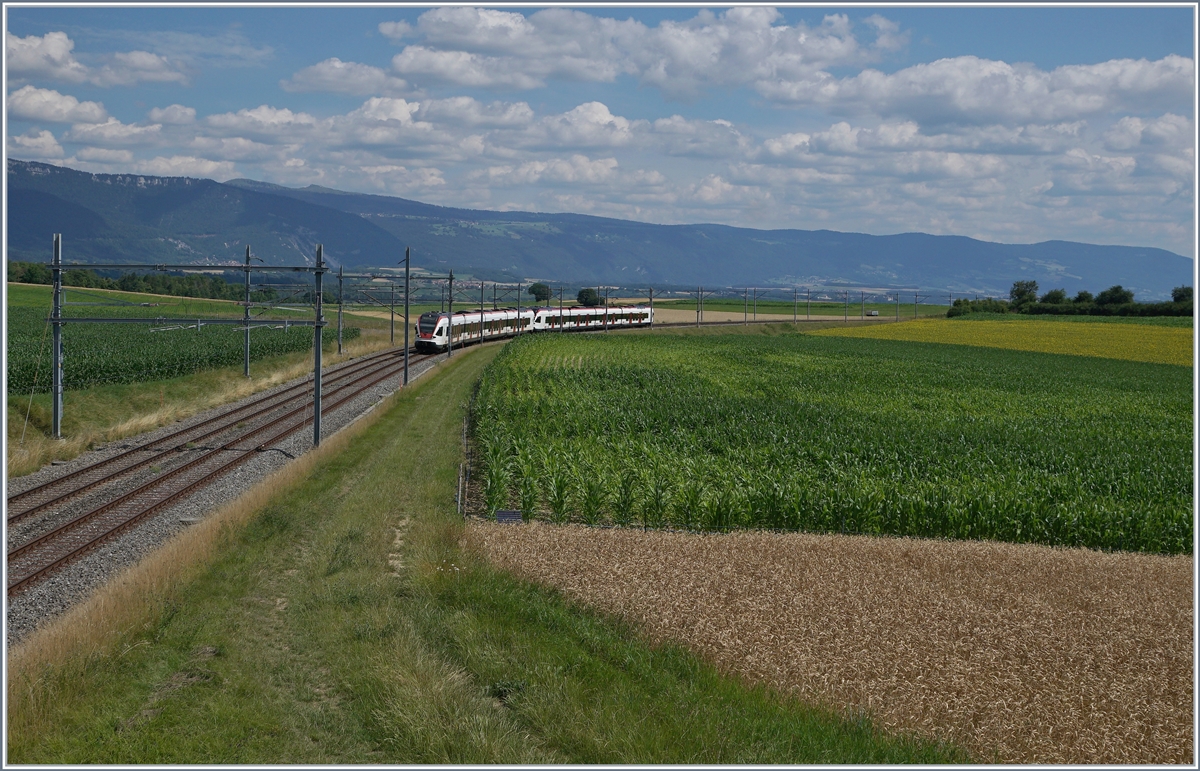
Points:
point(834, 434)
point(95, 354)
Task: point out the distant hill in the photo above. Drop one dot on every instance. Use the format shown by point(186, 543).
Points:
point(136, 218)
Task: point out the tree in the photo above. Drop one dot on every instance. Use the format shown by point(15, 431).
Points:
point(1084, 296)
point(540, 292)
point(1022, 292)
point(1114, 295)
point(588, 297)
point(1055, 297)
point(1181, 294)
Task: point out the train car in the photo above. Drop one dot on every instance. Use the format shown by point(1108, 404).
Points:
point(551, 319)
point(469, 326)
point(436, 331)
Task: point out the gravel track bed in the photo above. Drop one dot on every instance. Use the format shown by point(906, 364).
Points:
point(54, 595)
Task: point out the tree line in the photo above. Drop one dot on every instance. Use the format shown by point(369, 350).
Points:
point(176, 285)
point(1114, 301)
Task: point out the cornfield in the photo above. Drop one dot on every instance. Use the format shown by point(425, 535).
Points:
point(97, 354)
point(1156, 343)
point(826, 434)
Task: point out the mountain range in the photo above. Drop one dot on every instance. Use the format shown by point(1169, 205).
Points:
point(134, 218)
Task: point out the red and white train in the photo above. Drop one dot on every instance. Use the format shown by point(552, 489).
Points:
point(436, 331)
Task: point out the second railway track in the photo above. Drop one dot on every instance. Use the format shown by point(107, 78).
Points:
point(258, 424)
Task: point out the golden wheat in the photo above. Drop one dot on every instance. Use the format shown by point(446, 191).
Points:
point(1132, 342)
point(1020, 653)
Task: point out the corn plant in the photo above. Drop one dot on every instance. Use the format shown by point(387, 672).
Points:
point(528, 481)
point(799, 432)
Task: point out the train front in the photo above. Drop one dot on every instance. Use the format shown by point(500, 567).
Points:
point(432, 332)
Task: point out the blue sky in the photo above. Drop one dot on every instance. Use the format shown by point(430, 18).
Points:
point(1007, 124)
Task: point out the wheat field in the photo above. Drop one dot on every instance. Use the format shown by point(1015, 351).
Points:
point(1131, 342)
point(1021, 653)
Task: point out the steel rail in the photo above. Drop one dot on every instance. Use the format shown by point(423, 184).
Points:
point(173, 442)
point(76, 525)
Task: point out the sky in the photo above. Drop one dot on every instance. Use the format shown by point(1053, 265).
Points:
point(1016, 125)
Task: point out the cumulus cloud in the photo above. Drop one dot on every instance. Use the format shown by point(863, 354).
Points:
point(30, 103)
point(589, 125)
point(135, 67)
point(50, 56)
point(467, 111)
point(36, 144)
point(113, 132)
point(102, 155)
point(493, 48)
point(576, 169)
point(186, 166)
point(336, 76)
point(971, 90)
point(174, 114)
point(263, 120)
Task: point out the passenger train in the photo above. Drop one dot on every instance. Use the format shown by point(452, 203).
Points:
point(434, 328)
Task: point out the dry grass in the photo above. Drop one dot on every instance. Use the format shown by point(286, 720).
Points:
point(1022, 653)
point(100, 423)
point(46, 665)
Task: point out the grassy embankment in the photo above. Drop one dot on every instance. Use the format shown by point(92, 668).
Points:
point(105, 413)
point(335, 618)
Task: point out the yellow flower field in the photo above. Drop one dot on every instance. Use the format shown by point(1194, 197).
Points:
point(1132, 342)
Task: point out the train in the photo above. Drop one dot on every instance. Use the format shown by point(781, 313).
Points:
point(437, 331)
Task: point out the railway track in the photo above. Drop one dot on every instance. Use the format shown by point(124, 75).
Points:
point(58, 491)
point(260, 423)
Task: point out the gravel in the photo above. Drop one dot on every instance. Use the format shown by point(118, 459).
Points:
point(54, 595)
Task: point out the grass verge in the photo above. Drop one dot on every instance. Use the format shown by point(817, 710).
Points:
point(338, 619)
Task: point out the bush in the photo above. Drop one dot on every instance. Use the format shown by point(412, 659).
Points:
point(1054, 297)
point(588, 297)
point(1115, 295)
point(963, 306)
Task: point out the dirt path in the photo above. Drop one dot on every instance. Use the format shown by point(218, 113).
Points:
point(1029, 653)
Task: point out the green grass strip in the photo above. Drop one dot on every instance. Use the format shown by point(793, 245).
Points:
point(344, 624)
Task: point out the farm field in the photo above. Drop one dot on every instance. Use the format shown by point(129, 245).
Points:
point(1162, 342)
point(331, 616)
point(1022, 654)
point(96, 354)
point(775, 307)
point(839, 434)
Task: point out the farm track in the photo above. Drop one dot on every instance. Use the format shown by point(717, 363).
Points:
point(47, 551)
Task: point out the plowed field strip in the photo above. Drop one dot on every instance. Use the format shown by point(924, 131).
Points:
point(1023, 653)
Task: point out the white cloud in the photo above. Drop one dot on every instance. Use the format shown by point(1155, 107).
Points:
point(578, 169)
point(1131, 131)
point(970, 90)
point(466, 111)
point(135, 67)
point(32, 103)
point(174, 114)
point(48, 56)
point(186, 166)
point(235, 148)
point(589, 125)
point(461, 68)
point(113, 132)
point(336, 76)
point(36, 144)
point(101, 155)
point(482, 48)
point(395, 30)
point(264, 120)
